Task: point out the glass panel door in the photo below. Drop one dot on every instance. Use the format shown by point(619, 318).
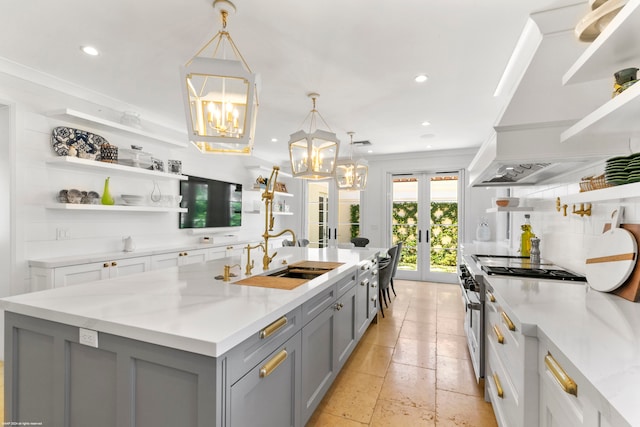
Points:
point(424, 217)
point(348, 216)
point(318, 193)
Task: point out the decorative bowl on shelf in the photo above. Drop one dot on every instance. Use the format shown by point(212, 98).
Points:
point(132, 199)
point(504, 202)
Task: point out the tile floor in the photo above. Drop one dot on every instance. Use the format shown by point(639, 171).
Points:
point(412, 368)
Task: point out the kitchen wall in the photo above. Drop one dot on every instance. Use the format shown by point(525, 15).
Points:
point(565, 240)
point(44, 233)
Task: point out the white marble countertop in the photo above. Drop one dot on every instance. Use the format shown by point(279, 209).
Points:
point(598, 332)
point(67, 260)
point(184, 307)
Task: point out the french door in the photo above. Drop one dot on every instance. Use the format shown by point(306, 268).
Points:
point(332, 215)
point(424, 217)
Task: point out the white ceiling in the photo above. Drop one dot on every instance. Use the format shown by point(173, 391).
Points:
point(361, 56)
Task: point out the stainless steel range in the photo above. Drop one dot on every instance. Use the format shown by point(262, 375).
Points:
point(473, 273)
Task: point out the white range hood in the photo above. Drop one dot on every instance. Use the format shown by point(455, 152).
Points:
point(525, 147)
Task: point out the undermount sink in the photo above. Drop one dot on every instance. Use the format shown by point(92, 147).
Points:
point(300, 273)
point(306, 269)
point(291, 276)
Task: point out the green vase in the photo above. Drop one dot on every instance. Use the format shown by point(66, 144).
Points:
point(107, 199)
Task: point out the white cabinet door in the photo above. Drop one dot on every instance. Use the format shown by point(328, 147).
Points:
point(165, 260)
point(193, 257)
point(82, 273)
point(126, 266)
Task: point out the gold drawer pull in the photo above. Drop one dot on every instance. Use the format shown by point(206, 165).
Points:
point(565, 381)
point(498, 334)
point(105, 265)
point(272, 364)
point(491, 297)
point(496, 380)
point(272, 328)
point(508, 321)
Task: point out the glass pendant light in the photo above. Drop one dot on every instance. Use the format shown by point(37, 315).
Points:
point(313, 153)
point(351, 175)
point(220, 94)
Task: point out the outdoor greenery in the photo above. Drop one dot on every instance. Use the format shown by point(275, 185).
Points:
point(355, 220)
point(443, 234)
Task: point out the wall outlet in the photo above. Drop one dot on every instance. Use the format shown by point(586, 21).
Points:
point(63, 233)
point(88, 337)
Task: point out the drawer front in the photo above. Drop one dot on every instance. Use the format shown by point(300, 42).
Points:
point(250, 352)
point(317, 304)
point(511, 349)
point(346, 283)
point(554, 370)
point(503, 394)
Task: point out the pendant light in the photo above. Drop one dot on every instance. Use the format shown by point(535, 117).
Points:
point(220, 94)
point(313, 154)
point(351, 175)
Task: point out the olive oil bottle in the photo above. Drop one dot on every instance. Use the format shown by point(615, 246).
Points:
point(525, 237)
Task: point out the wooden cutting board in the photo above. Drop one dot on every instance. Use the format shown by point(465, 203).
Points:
point(285, 283)
point(630, 289)
point(323, 265)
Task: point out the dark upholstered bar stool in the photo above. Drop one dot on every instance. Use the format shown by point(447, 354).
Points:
point(395, 267)
point(360, 242)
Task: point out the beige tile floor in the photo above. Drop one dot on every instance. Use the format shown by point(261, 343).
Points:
point(412, 368)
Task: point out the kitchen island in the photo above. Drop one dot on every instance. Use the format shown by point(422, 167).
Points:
point(178, 347)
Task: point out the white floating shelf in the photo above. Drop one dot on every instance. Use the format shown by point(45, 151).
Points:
point(614, 49)
point(619, 116)
point(618, 192)
point(509, 209)
point(282, 213)
point(112, 208)
point(79, 163)
point(280, 194)
point(109, 125)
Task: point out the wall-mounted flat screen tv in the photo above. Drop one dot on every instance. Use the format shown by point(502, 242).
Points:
point(210, 203)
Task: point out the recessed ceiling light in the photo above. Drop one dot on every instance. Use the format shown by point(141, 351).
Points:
point(425, 123)
point(421, 78)
point(428, 146)
point(370, 151)
point(90, 50)
point(274, 139)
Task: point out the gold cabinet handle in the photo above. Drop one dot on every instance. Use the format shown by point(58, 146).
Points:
point(491, 297)
point(114, 264)
point(496, 380)
point(499, 335)
point(508, 321)
point(273, 327)
point(272, 364)
point(105, 265)
point(565, 381)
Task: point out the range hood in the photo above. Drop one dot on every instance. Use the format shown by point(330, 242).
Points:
point(525, 146)
point(531, 154)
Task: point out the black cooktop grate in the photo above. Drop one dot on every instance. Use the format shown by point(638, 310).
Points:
point(539, 273)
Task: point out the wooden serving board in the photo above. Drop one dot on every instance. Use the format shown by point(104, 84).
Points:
point(322, 265)
point(630, 289)
point(285, 283)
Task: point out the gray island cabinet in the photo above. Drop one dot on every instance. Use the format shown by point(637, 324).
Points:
point(185, 349)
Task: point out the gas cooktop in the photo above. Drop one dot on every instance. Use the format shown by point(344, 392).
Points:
point(538, 273)
point(518, 266)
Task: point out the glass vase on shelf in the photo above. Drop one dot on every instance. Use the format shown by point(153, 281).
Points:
point(483, 232)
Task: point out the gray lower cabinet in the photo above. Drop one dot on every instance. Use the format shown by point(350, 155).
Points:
point(53, 380)
point(366, 296)
point(327, 342)
point(268, 395)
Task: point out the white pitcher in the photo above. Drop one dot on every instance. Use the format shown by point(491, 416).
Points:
point(129, 246)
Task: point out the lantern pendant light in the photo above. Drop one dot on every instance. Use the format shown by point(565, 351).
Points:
point(313, 154)
point(351, 175)
point(220, 94)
